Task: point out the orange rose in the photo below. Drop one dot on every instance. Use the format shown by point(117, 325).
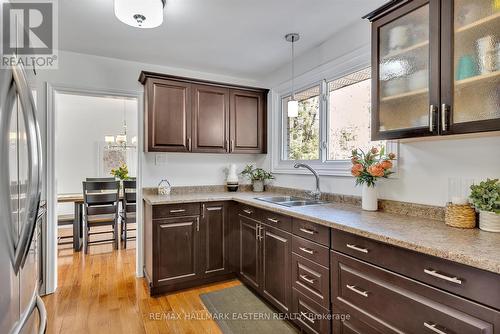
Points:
point(357, 169)
point(376, 170)
point(386, 164)
point(354, 160)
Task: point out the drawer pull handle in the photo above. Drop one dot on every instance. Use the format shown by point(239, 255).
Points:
point(451, 279)
point(177, 210)
point(355, 289)
point(307, 279)
point(273, 220)
point(433, 327)
point(248, 212)
point(356, 248)
point(305, 250)
point(305, 230)
point(304, 314)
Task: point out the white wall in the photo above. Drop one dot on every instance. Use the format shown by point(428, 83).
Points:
point(424, 166)
point(100, 73)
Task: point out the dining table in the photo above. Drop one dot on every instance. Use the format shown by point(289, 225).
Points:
point(77, 199)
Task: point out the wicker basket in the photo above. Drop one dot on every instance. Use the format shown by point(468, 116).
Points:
point(461, 216)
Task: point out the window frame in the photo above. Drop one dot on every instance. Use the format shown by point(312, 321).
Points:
point(323, 166)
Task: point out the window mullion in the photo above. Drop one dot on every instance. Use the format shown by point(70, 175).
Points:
point(323, 118)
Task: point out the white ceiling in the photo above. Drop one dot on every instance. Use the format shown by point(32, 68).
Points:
point(241, 38)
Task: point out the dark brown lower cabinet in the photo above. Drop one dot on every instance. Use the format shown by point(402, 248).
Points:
point(265, 261)
point(214, 239)
point(308, 315)
point(177, 247)
point(394, 304)
point(348, 324)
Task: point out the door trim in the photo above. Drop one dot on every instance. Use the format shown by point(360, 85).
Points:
point(51, 231)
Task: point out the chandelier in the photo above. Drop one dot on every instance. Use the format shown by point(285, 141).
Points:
point(120, 141)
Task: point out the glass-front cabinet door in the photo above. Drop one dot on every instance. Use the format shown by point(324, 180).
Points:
point(470, 66)
point(406, 50)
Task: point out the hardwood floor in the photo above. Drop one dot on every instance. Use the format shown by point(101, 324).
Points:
point(99, 293)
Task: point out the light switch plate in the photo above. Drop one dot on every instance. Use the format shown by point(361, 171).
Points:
point(160, 159)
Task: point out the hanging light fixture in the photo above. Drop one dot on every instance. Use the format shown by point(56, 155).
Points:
point(293, 104)
point(140, 13)
point(120, 141)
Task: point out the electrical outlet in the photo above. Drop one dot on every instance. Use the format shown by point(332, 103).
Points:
point(160, 159)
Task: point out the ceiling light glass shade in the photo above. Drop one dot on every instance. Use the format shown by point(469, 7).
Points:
point(134, 140)
point(120, 139)
point(140, 13)
point(293, 108)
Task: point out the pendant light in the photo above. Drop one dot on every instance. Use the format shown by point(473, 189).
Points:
point(293, 104)
point(140, 13)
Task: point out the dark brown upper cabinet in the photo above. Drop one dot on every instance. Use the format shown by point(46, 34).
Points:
point(247, 122)
point(187, 115)
point(168, 115)
point(435, 68)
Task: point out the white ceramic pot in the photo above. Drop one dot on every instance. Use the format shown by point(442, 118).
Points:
point(369, 200)
point(258, 186)
point(489, 221)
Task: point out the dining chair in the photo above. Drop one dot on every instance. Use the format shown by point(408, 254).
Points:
point(128, 214)
point(101, 201)
point(95, 179)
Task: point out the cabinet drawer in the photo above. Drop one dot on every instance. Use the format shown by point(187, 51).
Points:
point(472, 283)
point(404, 304)
point(311, 250)
point(250, 212)
point(311, 279)
point(176, 210)
point(346, 323)
point(311, 231)
point(310, 317)
point(277, 220)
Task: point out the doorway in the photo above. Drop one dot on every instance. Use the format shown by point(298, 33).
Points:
point(90, 134)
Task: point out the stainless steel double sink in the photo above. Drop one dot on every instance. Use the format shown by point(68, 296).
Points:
point(290, 201)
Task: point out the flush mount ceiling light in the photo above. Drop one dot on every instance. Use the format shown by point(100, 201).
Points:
point(140, 13)
point(293, 104)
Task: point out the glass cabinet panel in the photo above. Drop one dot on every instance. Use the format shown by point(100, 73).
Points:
point(403, 71)
point(476, 86)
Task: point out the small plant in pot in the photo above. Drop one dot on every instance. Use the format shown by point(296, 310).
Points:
point(367, 168)
point(485, 197)
point(258, 176)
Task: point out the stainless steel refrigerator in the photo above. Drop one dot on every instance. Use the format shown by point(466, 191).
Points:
point(21, 214)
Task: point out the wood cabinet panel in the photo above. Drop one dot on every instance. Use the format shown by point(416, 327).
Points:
point(250, 267)
point(210, 119)
point(167, 116)
point(247, 122)
point(408, 305)
point(311, 279)
point(214, 241)
point(175, 210)
point(176, 250)
point(276, 265)
point(311, 231)
point(472, 283)
point(311, 317)
point(311, 250)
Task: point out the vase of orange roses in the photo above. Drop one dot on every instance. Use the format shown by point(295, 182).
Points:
point(368, 168)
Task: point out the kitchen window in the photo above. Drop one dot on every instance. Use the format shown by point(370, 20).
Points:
point(334, 118)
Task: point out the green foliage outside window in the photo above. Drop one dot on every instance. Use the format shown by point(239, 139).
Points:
point(303, 131)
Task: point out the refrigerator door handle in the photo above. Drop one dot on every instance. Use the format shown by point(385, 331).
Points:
point(35, 302)
point(34, 164)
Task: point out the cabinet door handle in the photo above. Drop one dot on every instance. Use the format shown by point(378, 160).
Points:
point(248, 212)
point(444, 116)
point(197, 224)
point(434, 273)
point(260, 233)
point(433, 327)
point(355, 289)
point(304, 314)
point(305, 230)
point(227, 146)
point(232, 145)
point(432, 110)
point(257, 232)
point(189, 144)
point(307, 279)
point(305, 250)
point(177, 210)
point(273, 220)
point(356, 248)
point(203, 211)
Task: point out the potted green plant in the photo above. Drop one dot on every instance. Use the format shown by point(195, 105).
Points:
point(258, 176)
point(485, 197)
point(367, 168)
point(120, 173)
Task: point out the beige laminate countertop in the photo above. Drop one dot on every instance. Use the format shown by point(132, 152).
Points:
point(472, 247)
